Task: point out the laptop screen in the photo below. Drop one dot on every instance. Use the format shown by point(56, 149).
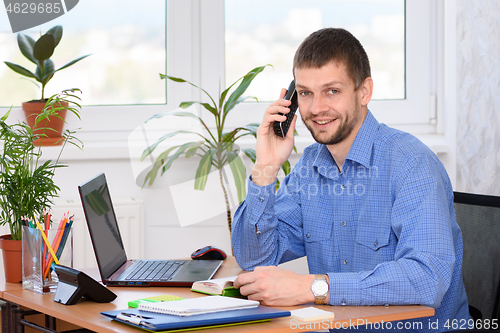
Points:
point(103, 227)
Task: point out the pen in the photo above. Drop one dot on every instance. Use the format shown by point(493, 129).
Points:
point(134, 319)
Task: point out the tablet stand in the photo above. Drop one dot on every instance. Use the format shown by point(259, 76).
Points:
point(74, 284)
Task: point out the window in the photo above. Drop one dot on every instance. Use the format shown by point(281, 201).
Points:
point(257, 36)
point(401, 59)
point(191, 37)
point(127, 43)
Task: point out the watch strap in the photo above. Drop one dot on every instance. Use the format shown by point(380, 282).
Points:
point(320, 299)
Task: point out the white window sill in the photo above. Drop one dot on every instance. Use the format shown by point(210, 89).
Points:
point(116, 150)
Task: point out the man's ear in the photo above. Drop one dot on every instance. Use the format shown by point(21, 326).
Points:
point(366, 91)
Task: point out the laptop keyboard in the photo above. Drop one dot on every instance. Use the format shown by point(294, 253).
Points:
point(154, 270)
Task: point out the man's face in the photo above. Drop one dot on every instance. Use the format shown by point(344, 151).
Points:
point(329, 105)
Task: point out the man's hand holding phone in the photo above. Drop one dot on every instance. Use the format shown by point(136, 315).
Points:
point(272, 150)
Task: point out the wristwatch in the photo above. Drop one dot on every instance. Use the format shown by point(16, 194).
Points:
point(320, 288)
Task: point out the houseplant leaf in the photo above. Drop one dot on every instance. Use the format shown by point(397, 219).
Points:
point(151, 148)
point(21, 70)
point(57, 32)
point(73, 62)
point(239, 173)
point(193, 149)
point(44, 47)
point(151, 175)
point(203, 170)
point(250, 154)
point(26, 44)
point(179, 151)
point(46, 72)
point(179, 80)
point(233, 99)
point(207, 106)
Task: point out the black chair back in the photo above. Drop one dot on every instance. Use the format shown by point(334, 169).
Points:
point(479, 219)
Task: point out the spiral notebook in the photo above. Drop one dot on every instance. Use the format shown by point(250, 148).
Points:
point(199, 305)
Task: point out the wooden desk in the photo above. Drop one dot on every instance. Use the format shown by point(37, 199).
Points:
point(86, 313)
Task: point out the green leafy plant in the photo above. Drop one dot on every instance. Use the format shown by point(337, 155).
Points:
point(26, 183)
point(39, 53)
point(217, 148)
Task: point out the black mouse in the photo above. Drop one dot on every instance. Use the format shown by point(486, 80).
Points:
point(209, 253)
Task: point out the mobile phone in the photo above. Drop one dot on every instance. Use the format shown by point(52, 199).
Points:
point(281, 127)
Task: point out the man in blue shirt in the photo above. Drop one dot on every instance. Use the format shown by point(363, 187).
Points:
point(370, 206)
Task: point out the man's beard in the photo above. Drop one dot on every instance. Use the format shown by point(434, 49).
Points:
point(343, 131)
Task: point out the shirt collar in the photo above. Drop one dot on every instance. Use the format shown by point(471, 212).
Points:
point(360, 152)
point(361, 149)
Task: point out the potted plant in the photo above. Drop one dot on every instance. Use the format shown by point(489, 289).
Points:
point(26, 183)
point(39, 52)
point(218, 148)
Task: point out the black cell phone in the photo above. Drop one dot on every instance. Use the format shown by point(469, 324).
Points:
point(281, 127)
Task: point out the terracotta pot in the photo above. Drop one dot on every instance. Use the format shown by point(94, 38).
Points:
point(32, 110)
point(12, 251)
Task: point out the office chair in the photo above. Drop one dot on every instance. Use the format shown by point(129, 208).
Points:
point(479, 219)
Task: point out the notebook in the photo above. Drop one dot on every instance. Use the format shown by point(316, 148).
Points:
point(151, 321)
point(114, 267)
point(199, 305)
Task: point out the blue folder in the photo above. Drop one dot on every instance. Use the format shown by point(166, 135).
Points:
point(162, 322)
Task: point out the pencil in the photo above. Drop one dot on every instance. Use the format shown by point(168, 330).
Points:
point(65, 237)
point(55, 245)
point(47, 242)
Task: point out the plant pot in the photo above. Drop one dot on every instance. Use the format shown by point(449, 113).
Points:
point(54, 138)
point(12, 251)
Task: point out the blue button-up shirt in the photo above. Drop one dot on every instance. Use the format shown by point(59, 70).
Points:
point(383, 229)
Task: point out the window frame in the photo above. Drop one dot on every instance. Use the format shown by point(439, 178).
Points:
point(195, 52)
point(414, 113)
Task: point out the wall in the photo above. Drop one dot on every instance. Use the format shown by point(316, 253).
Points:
point(478, 96)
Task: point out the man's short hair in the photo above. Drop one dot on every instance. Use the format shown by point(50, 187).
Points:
point(334, 44)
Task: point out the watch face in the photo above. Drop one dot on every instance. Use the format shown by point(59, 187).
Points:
point(320, 287)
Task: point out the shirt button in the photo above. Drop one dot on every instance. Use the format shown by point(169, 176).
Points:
point(342, 186)
point(343, 223)
point(343, 302)
point(261, 199)
point(308, 235)
point(375, 244)
point(257, 232)
point(345, 262)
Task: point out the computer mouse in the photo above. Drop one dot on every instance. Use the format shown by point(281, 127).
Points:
point(209, 253)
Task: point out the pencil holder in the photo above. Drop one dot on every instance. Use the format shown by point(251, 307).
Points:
point(37, 257)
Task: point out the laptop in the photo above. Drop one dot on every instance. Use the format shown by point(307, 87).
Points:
point(114, 267)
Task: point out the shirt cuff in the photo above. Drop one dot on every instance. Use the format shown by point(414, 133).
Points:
point(261, 201)
point(344, 289)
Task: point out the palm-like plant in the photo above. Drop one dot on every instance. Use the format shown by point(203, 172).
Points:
point(26, 183)
point(217, 148)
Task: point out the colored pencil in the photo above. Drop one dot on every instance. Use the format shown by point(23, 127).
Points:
point(46, 242)
point(55, 244)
